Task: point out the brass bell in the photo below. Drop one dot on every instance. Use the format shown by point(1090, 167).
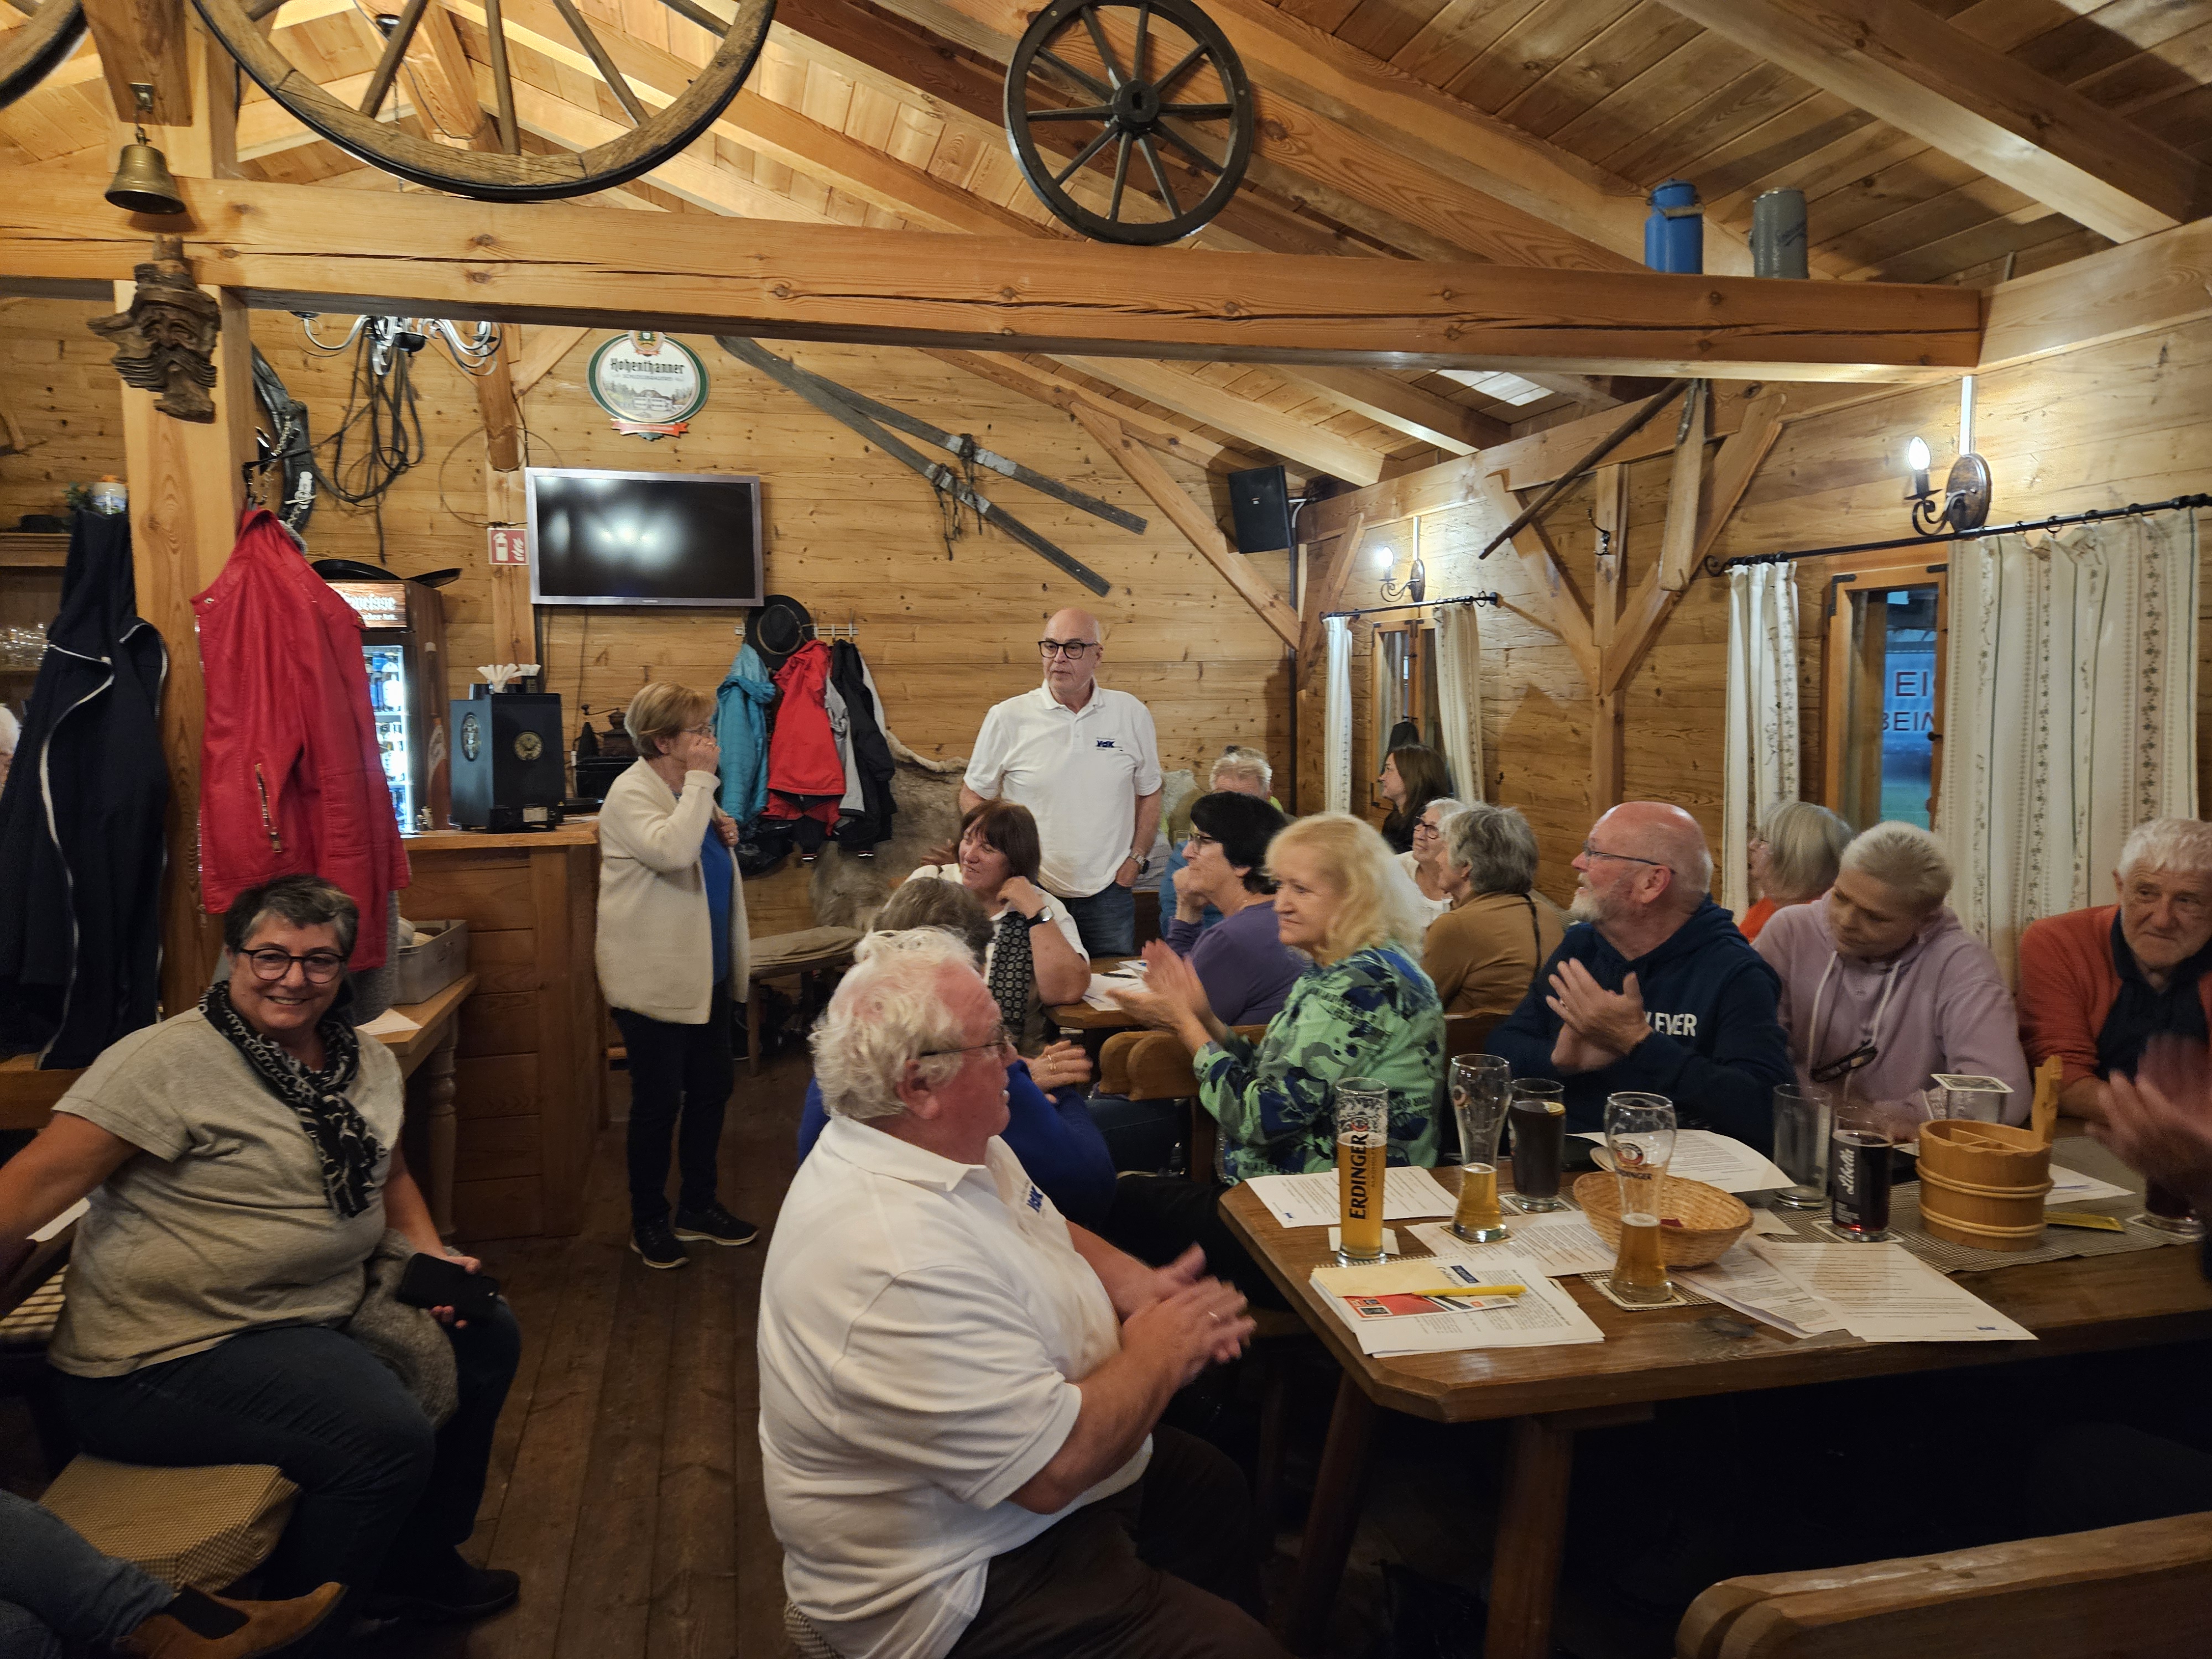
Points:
point(141, 182)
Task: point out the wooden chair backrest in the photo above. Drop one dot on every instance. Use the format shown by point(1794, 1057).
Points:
point(1464, 1034)
point(1155, 1066)
point(2134, 1592)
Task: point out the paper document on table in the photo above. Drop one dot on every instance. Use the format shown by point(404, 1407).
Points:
point(1718, 1160)
point(1562, 1244)
point(1310, 1200)
point(1754, 1287)
point(1542, 1315)
point(1765, 1221)
point(1102, 983)
point(390, 1023)
point(1884, 1293)
point(2072, 1187)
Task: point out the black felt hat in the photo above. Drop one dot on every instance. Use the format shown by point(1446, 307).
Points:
point(782, 626)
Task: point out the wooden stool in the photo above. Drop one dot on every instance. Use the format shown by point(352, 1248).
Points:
point(198, 1528)
point(810, 951)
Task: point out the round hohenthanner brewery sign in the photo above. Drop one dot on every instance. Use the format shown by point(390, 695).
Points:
point(652, 385)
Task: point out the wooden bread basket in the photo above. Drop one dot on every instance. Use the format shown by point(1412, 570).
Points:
point(1711, 1219)
point(1983, 1184)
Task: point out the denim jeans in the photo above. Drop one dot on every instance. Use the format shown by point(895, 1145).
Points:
point(54, 1587)
point(1107, 920)
point(380, 1492)
point(680, 1079)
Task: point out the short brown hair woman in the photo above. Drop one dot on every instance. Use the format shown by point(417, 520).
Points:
point(673, 957)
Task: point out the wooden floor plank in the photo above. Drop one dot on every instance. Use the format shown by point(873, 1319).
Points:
point(694, 1583)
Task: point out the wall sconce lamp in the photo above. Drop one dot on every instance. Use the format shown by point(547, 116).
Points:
point(1966, 496)
point(1416, 584)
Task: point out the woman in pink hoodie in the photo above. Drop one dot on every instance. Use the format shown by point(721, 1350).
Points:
point(1881, 987)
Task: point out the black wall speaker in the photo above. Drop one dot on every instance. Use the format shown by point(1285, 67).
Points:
point(1260, 498)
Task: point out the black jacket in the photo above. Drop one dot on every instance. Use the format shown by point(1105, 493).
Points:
point(81, 846)
point(872, 754)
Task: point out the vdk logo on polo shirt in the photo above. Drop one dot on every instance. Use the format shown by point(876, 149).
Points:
point(1037, 1199)
point(1105, 743)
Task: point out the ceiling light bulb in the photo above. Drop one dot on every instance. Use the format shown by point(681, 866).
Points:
point(1916, 454)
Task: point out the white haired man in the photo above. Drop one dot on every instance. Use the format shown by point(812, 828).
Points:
point(2096, 985)
point(1653, 987)
point(1086, 763)
point(1881, 987)
point(960, 1391)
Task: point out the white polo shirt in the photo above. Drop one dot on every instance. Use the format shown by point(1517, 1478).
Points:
point(1080, 772)
point(922, 1324)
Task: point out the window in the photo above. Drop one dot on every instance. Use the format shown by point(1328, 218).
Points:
point(1405, 692)
point(1882, 737)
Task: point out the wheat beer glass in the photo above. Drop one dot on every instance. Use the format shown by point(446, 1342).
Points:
point(1362, 1151)
point(1640, 1133)
point(1804, 1117)
point(1479, 1086)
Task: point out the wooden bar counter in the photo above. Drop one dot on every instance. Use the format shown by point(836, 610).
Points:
point(530, 1070)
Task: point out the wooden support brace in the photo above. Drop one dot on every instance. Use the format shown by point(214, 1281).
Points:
point(1325, 590)
point(1681, 537)
point(541, 354)
point(1608, 727)
point(1561, 609)
point(496, 401)
point(1187, 516)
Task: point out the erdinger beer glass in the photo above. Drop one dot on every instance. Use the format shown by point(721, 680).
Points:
point(1362, 1151)
point(1479, 1085)
point(1640, 1133)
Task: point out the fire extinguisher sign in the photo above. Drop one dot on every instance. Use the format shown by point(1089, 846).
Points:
point(510, 543)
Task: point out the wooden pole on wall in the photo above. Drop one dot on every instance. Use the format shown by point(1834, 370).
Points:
point(187, 485)
point(1609, 729)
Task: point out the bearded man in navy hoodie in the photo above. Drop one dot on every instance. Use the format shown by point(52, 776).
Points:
point(1653, 989)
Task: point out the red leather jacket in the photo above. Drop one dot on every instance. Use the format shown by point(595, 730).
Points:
point(291, 782)
point(802, 752)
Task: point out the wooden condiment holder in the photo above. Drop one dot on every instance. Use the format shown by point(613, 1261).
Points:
point(1983, 1184)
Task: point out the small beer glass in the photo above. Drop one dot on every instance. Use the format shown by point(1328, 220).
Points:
point(1479, 1084)
point(1363, 1151)
point(1858, 1175)
point(2168, 1211)
point(1640, 1133)
point(1537, 1110)
point(1804, 1117)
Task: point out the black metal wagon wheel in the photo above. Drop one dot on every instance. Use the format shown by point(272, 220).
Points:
point(1120, 98)
point(507, 174)
point(47, 32)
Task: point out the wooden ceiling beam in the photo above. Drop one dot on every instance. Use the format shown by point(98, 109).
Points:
point(2158, 281)
point(1387, 401)
point(447, 84)
point(1018, 374)
point(294, 246)
point(1310, 446)
point(143, 43)
point(1899, 61)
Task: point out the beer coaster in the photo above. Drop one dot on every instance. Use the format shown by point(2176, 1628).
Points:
point(1682, 1298)
point(1389, 1240)
point(1828, 1229)
point(1565, 1208)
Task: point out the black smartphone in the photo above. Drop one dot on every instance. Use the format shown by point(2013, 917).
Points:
point(434, 1281)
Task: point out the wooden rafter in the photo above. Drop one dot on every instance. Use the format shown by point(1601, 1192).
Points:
point(1328, 571)
point(143, 43)
point(1899, 61)
point(1310, 446)
point(1018, 374)
point(1450, 426)
point(1196, 525)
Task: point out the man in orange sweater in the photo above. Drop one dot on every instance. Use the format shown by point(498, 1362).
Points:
point(2095, 985)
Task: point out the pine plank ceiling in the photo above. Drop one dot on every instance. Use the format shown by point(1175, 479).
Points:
point(1539, 120)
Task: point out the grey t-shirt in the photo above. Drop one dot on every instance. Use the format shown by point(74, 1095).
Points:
point(220, 1224)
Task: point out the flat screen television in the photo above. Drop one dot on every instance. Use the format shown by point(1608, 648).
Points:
point(688, 538)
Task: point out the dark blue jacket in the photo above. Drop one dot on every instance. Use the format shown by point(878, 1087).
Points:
point(1053, 1135)
point(1716, 1049)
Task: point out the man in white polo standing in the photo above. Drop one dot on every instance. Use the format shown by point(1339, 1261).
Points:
point(1085, 761)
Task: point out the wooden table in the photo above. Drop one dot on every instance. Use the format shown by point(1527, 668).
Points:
point(27, 1094)
point(1082, 1017)
point(2075, 1306)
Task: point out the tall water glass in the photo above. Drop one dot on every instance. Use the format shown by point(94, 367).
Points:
point(1363, 1151)
point(1538, 1112)
point(1640, 1133)
point(1479, 1086)
point(1804, 1117)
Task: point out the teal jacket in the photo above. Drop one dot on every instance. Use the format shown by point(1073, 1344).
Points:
point(1374, 1014)
point(741, 728)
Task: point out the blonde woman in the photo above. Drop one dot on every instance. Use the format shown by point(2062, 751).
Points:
point(1794, 859)
point(673, 956)
point(1363, 1009)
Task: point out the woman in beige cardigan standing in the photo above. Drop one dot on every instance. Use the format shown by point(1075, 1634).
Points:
point(673, 956)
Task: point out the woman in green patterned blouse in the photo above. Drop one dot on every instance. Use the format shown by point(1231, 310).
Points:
point(1365, 1009)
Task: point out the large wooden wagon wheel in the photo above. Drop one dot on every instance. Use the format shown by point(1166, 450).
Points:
point(1154, 82)
point(32, 48)
point(508, 175)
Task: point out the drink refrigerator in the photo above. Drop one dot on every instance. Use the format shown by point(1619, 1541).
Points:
point(403, 637)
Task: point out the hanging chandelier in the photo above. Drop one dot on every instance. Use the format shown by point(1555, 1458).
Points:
point(389, 338)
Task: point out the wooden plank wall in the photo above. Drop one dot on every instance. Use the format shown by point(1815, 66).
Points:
point(2096, 428)
point(850, 533)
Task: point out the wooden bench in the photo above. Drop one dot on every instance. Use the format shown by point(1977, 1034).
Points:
point(2137, 1592)
point(808, 953)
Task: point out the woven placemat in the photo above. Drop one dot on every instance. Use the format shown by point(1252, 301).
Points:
point(1683, 1297)
point(2057, 1243)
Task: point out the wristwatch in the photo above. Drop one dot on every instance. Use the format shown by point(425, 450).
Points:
point(1144, 861)
point(1044, 914)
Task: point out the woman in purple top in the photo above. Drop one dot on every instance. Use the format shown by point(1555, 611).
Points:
point(1247, 970)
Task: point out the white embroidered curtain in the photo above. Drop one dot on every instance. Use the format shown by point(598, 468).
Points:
point(1762, 746)
point(1336, 714)
point(1459, 697)
point(2068, 716)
